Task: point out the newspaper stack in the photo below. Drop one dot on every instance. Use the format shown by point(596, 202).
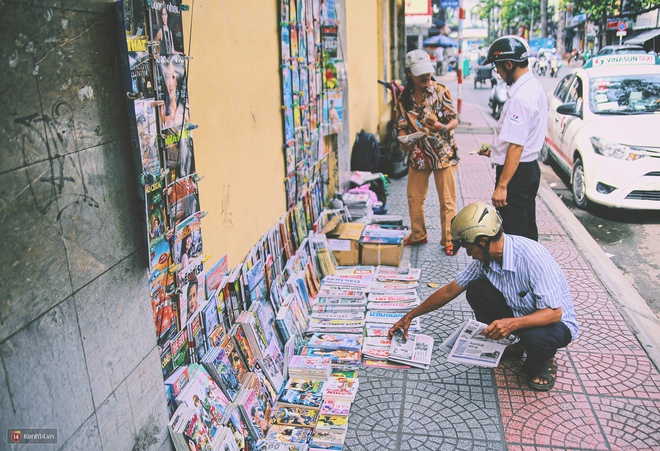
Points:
point(415, 351)
point(347, 281)
point(359, 205)
point(341, 360)
point(312, 367)
point(348, 326)
point(376, 348)
point(392, 303)
point(340, 389)
point(373, 233)
point(345, 342)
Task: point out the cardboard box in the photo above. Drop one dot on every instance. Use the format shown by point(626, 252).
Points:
point(381, 254)
point(344, 242)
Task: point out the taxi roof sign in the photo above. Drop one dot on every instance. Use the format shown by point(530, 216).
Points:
point(622, 60)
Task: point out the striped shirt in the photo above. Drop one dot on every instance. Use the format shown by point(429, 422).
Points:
point(529, 278)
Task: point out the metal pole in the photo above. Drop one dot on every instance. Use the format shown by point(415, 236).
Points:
point(459, 60)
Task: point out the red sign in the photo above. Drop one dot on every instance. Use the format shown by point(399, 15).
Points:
point(16, 436)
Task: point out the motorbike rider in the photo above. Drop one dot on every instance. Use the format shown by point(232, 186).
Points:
point(555, 62)
point(542, 62)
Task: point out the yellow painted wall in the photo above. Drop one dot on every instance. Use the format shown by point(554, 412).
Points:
point(235, 98)
point(363, 49)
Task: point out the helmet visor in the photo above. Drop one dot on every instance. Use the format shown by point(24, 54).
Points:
point(457, 245)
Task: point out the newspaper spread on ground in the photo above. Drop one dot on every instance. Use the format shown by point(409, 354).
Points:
point(415, 351)
point(468, 345)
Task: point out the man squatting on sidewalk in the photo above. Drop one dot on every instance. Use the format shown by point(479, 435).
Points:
point(515, 286)
point(518, 138)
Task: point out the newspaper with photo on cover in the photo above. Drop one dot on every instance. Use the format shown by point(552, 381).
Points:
point(468, 345)
point(415, 351)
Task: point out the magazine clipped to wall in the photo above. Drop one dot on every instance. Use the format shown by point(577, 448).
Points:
point(468, 345)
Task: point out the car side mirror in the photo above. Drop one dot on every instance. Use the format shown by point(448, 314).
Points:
point(569, 109)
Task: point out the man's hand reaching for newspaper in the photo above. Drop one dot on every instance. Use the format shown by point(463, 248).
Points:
point(403, 324)
point(500, 328)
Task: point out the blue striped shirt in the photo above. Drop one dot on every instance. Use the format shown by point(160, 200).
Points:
point(529, 278)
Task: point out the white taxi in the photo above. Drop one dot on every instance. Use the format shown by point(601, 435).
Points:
point(604, 131)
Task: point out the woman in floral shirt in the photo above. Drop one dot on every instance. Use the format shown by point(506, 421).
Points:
point(427, 106)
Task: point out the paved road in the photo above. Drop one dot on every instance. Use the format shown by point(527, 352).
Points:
point(630, 238)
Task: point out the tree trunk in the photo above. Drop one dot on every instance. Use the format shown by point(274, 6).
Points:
point(561, 29)
point(602, 32)
point(544, 18)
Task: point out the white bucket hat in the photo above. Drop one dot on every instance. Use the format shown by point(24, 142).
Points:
point(419, 62)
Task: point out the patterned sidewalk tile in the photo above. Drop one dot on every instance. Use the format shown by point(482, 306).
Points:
point(628, 423)
point(628, 374)
point(607, 395)
point(555, 419)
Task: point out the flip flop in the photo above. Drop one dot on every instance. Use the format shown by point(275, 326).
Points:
point(547, 372)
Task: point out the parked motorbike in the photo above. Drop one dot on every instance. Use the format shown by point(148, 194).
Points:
point(497, 97)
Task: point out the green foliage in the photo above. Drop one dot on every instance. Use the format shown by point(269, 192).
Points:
point(610, 8)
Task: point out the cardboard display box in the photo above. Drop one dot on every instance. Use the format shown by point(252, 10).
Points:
point(381, 254)
point(344, 241)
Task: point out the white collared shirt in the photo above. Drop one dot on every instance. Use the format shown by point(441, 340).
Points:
point(523, 120)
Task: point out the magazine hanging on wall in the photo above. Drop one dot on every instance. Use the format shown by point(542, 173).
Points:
point(167, 26)
point(182, 199)
point(187, 242)
point(155, 207)
point(179, 154)
point(172, 91)
point(145, 119)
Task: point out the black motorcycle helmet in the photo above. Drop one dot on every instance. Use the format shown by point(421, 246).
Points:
point(508, 48)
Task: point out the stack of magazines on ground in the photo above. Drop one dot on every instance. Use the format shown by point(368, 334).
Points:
point(359, 205)
point(312, 414)
point(392, 294)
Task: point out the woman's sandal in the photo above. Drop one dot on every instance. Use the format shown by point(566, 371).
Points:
point(547, 372)
point(449, 250)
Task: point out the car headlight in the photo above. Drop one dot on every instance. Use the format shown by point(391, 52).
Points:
point(615, 150)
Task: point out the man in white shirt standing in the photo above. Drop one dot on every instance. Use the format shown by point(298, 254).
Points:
point(519, 137)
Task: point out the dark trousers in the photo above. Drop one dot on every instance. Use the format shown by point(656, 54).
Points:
point(540, 343)
point(519, 214)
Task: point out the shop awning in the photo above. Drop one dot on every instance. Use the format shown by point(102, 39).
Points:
point(643, 37)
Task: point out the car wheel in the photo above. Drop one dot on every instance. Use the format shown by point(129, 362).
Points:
point(578, 186)
point(544, 156)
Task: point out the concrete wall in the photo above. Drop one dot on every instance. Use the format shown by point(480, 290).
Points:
point(77, 342)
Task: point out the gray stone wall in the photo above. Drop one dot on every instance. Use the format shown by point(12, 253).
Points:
point(77, 342)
